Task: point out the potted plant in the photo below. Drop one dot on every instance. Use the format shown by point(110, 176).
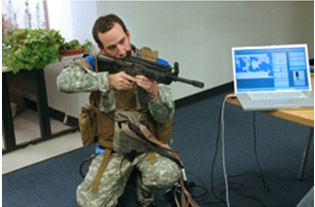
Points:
point(32, 49)
point(74, 47)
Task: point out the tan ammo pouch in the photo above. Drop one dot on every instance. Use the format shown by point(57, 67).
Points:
point(122, 142)
point(87, 119)
point(87, 125)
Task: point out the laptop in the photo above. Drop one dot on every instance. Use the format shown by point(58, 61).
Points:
point(272, 77)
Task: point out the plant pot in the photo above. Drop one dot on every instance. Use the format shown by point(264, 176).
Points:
point(71, 52)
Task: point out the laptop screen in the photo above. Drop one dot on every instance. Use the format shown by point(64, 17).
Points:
point(271, 68)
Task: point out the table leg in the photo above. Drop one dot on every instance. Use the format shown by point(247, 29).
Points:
point(305, 153)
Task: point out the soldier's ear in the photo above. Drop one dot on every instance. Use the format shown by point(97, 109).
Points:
point(128, 33)
point(100, 48)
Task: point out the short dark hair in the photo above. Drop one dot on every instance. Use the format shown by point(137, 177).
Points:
point(104, 24)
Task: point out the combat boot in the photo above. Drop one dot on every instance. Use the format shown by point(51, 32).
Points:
point(145, 199)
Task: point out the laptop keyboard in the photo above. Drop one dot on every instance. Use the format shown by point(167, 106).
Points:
point(277, 95)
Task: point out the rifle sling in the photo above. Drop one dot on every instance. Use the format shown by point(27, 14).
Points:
point(186, 199)
point(132, 134)
point(101, 170)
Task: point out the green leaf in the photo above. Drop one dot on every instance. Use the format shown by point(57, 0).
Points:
point(29, 49)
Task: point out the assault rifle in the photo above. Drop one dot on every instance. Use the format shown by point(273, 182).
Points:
point(136, 66)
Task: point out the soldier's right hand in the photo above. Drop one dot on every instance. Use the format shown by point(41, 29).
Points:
point(121, 81)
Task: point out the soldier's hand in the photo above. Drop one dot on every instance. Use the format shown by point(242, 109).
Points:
point(121, 81)
point(150, 86)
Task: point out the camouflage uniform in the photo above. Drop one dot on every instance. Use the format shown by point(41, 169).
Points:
point(157, 177)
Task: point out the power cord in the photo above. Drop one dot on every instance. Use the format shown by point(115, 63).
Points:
point(83, 163)
point(234, 186)
point(227, 200)
point(201, 199)
point(214, 160)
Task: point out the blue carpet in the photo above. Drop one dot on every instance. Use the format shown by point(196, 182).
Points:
point(280, 146)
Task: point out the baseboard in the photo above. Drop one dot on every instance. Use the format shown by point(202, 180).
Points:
point(225, 88)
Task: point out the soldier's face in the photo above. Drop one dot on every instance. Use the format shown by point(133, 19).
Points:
point(115, 42)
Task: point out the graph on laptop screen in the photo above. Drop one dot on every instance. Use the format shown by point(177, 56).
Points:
point(270, 69)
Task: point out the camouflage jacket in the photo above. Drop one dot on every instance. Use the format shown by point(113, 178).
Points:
point(76, 77)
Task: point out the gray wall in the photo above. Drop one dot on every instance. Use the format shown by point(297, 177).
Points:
point(199, 35)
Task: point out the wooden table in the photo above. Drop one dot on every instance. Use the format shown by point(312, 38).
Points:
point(301, 116)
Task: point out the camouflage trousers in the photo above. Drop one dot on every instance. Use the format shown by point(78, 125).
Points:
point(158, 178)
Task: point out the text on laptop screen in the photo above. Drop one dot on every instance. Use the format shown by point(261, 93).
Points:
point(271, 69)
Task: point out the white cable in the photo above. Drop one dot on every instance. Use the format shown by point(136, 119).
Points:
point(223, 153)
point(184, 174)
point(65, 119)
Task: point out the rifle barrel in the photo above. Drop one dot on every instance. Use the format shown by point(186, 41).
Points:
point(195, 83)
